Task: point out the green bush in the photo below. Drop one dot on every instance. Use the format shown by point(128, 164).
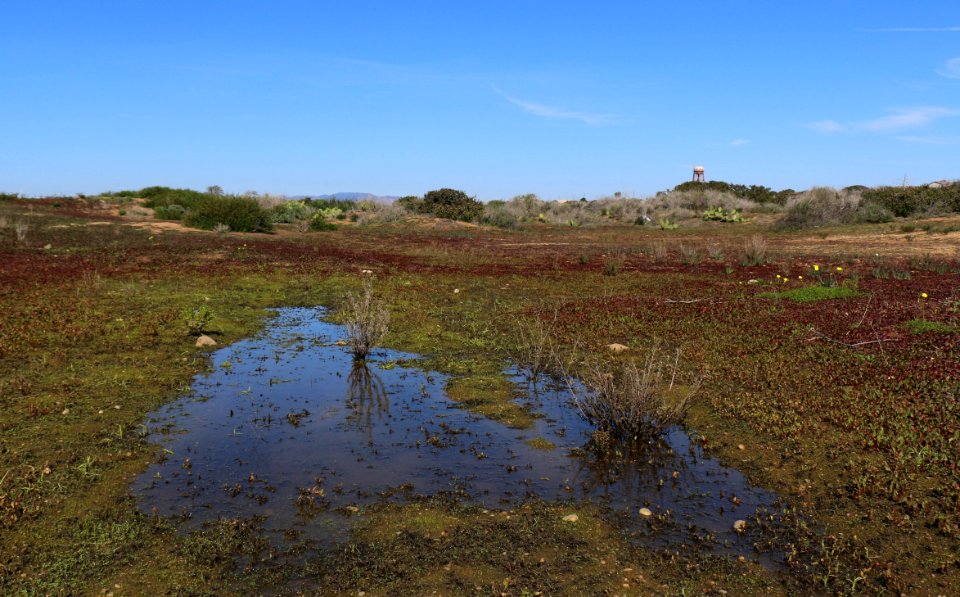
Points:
point(873, 213)
point(241, 214)
point(320, 223)
point(289, 212)
point(906, 201)
point(169, 212)
point(158, 196)
point(341, 204)
point(410, 203)
point(755, 193)
point(451, 204)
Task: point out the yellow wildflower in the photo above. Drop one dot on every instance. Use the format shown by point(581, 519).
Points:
point(816, 268)
point(923, 295)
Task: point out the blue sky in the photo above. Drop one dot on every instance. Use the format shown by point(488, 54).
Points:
point(562, 99)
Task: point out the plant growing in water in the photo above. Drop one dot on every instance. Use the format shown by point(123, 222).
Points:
point(633, 401)
point(367, 320)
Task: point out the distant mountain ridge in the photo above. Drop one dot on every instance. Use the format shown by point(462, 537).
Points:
point(350, 196)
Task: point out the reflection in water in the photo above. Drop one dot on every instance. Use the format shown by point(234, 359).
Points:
point(366, 393)
point(294, 425)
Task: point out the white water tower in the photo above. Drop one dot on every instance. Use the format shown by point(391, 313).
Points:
point(698, 175)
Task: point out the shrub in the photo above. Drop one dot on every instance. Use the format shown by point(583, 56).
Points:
point(319, 223)
point(756, 193)
point(241, 214)
point(169, 212)
point(632, 402)
point(289, 212)
point(873, 213)
point(410, 203)
point(341, 204)
point(499, 214)
point(905, 201)
point(386, 213)
point(367, 320)
point(820, 206)
point(451, 204)
point(157, 196)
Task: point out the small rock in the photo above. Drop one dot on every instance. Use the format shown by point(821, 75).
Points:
point(571, 518)
point(645, 512)
point(340, 343)
point(753, 281)
point(617, 348)
point(205, 340)
point(352, 509)
point(66, 411)
point(741, 447)
point(48, 246)
point(740, 526)
point(456, 291)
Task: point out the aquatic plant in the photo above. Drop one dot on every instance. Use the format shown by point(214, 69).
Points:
point(367, 320)
point(632, 401)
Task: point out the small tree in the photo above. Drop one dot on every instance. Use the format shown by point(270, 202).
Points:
point(451, 204)
point(215, 190)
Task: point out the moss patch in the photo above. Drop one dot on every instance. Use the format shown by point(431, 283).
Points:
point(491, 396)
point(540, 444)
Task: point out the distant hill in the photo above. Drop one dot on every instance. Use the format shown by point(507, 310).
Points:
point(351, 196)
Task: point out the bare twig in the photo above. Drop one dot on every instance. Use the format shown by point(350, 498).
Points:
point(818, 335)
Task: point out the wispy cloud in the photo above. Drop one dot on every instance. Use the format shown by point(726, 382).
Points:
point(930, 139)
point(909, 118)
point(902, 119)
point(545, 111)
point(951, 69)
point(913, 30)
point(739, 142)
point(826, 126)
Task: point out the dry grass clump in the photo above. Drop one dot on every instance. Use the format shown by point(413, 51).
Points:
point(382, 213)
point(367, 320)
point(536, 349)
point(660, 251)
point(632, 401)
point(755, 251)
point(690, 254)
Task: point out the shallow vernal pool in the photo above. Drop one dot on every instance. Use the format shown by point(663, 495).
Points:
point(287, 427)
